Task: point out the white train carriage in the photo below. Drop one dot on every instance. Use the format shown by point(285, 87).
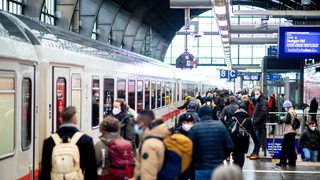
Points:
point(44, 69)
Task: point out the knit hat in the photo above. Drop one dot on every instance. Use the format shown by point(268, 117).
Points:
point(186, 117)
point(287, 104)
point(205, 111)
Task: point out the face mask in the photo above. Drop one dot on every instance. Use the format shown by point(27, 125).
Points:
point(256, 96)
point(187, 127)
point(137, 130)
point(312, 128)
point(116, 111)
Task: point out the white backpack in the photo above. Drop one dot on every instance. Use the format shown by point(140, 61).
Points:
point(66, 158)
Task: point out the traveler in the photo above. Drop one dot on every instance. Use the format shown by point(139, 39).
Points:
point(288, 150)
point(272, 107)
point(260, 114)
point(309, 142)
point(191, 109)
point(314, 109)
point(211, 143)
point(229, 110)
point(150, 158)
point(85, 146)
point(227, 172)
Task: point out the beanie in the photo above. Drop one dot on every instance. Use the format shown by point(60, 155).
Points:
point(205, 111)
point(287, 104)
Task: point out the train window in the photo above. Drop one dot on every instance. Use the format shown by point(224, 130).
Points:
point(132, 93)
point(61, 98)
point(108, 93)
point(184, 89)
point(26, 114)
point(168, 93)
point(147, 94)
point(163, 94)
point(121, 88)
point(76, 95)
point(7, 111)
point(153, 94)
point(95, 102)
point(139, 95)
point(159, 99)
point(178, 91)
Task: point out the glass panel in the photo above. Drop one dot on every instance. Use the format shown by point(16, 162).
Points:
point(168, 93)
point(61, 98)
point(140, 95)
point(163, 94)
point(121, 88)
point(153, 94)
point(7, 112)
point(147, 94)
point(159, 99)
point(6, 83)
point(95, 102)
point(76, 96)
point(26, 114)
point(108, 93)
point(132, 94)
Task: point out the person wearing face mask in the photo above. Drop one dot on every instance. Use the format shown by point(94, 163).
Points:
point(260, 114)
point(150, 157)
point(288, 150)
point(186, 123)
point(120, 112)
point(309, 142)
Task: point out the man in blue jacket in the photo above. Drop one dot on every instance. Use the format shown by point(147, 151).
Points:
point(211, 143)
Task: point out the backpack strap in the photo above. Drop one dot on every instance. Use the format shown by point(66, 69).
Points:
point(56, 138)
point(239, 122)
point(76, 137)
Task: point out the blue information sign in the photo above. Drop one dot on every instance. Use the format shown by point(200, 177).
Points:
point(277, 146)
point(250, 77)
point(233, 74)
point(224, 73)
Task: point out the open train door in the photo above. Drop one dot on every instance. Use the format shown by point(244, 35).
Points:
point(61, 81)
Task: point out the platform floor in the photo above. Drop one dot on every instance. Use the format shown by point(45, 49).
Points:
point(265, 169)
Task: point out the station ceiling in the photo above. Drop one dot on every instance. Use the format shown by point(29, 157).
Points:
point(128, 23)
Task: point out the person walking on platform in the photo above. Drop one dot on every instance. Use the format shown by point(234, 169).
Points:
point(150, 158)
point(228, 111)
point(288, 150)
point(313, 109)
point(211, 143)
point(67, 130)
point(309, 142)
point(241, 143)
point(260, 114)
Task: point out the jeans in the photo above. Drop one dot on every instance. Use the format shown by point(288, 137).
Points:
point(310, 155)
point(259, 135)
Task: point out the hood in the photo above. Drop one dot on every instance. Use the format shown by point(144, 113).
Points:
point(241, 113)
point(159, 130)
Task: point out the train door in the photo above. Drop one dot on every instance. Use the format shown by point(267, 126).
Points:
point(26, 126)
point(60, 94)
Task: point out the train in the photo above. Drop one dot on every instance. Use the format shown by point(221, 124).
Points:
point(311, 83)
point(44, 69)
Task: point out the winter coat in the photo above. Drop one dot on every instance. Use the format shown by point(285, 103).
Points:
point(260, 113)
point(313, 106)
point(150, 158)
point(227, 113)
point(242, 147)
point(211, 143)
point(310, 139)
point(287, 128)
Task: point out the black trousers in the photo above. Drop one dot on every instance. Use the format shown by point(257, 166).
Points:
point(238, 158)
point(288, 151)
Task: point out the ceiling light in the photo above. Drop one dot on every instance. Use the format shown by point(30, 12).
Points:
point(225, 39)
point(224, 32)
point(222, 23)
point(220, 10)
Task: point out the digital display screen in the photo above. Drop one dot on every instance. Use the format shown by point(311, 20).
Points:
point(299, 42)
point(250, 77)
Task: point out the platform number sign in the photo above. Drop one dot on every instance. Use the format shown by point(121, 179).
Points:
point(223, 73)
point(228, 74)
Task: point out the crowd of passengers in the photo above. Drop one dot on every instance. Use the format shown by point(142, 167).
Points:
point(206, 122)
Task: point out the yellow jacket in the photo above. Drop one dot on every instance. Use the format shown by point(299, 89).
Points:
point(150, 158)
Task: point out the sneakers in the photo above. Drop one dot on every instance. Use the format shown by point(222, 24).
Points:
point(255, 157)
point(248, 156)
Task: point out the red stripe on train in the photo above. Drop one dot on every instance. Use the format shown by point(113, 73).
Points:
point(171, 114)
point(29, 176)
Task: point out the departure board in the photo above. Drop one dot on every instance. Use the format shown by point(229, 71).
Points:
point(299, 42)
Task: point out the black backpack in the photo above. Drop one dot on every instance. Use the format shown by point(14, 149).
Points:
point(237, 130)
